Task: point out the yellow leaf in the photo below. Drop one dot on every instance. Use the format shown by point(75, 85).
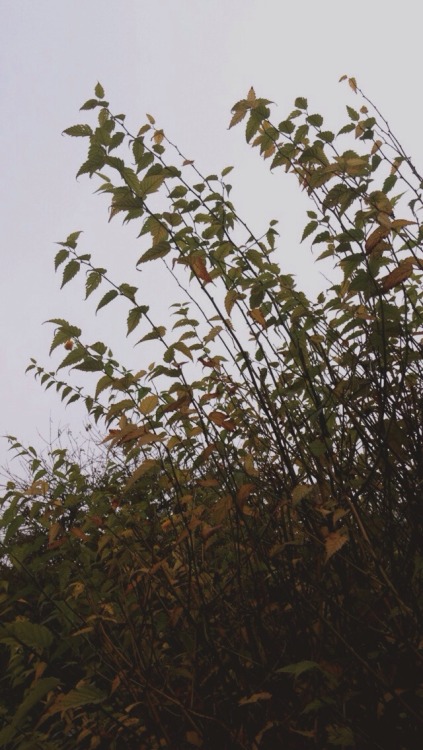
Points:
point(400, 223)
point(194, 738)
point(257, 315)
point(251, 96)
point(255, 698)
point(244, 492)
point(353, 84)
point(333, 542)
point(249, 466)
point(148, 404)
point(54, 530)
point(158, 136)
point(300, 491)
point(376, 146)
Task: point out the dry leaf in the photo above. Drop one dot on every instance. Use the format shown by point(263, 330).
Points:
point(333, 542)
point(398, 275)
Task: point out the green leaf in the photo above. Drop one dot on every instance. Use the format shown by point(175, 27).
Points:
point(79, 131)
point(90, 364)
point(150, 184)
point(108, 297)
point(134, 318)
point(99, 91)
point(301, 102)
point(74, 356)
point(71, 269)
point(315, 120)
point(80, 696)
point(93, 103)
point(94, 279)
point(38, 691)
point(157, 333)
point(158, 251)
point(309, 229)
point(226, 171)
point(299, 668)
point(31, 634)
point(352, 113)
point(60, 257)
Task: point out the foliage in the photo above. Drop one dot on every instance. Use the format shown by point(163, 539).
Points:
point(248, 571)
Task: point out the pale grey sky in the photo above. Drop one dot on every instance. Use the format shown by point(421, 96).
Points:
point(186, 62)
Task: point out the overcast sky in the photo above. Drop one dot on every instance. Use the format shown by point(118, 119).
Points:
point(186, 62)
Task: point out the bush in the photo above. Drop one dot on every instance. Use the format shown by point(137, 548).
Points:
point(246, 572)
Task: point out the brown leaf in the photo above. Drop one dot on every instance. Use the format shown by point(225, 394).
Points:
point(158, 136)
point(375, 237)
point(199, 268)
point(244, 492)
point(264, 696)
point(222, 420)
point(353, 84)
point(333, 542)
point(400, 223)
point(257, 315)
point(398, 275)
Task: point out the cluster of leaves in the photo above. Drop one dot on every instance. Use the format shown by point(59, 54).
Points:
point(249, 569)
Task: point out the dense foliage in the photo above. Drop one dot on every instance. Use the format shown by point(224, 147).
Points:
point(246, 570)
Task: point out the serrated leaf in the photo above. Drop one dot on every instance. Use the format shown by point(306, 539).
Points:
point(257, 315)
point(71, 269)
point(78, 131)
point(198, 267)
point(60, 257)
point(108, 297)
point(333, 542)
point(134, 317)
point(231, 297)
point(150, 184)
point(93, 280)
point(157, 333)
point(160, 250)
point(148, 404)
point(301, 102)
point(90, 364)
point(309, 229)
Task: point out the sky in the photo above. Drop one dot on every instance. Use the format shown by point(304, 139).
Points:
point(186, 62)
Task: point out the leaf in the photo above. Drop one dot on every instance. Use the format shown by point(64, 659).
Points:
point(226, 171)
point(157, 251)
point(300, 491)
point(353, 84)
point(99, 91)
point(401, 223)
point(198, 267)
point(257, 315)
point(150, 184)
point(244, 492)
point(375, 237)
point(148, 404)
point(193, 738)
point(299, 668)
point(31, 634)
point(231, 297)
point(94, 279)
point(71, 269)
point(134, 317)
point(333, 542)
point(78, 131)
point(60, 257)
point(301, 102)
point(80, 696)
point(309, 229)
point(398, 275)
point(38, 691)
point(108, 297)
point(147, 465)
point(264, 696)
point(222, 420)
